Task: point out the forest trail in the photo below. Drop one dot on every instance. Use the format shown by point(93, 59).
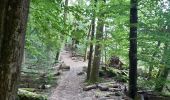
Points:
point(70, 84)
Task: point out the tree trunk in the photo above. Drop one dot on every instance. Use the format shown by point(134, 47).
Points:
point(86, 49)
point(151, 65)
point(13, 19)
point(165, 71)
point(97, 54)
point(93, 26)
point(133, 50)
point(91, 48)
point(105, 51)
point(57, 56)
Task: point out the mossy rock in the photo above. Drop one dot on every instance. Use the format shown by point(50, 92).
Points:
point(27, 95)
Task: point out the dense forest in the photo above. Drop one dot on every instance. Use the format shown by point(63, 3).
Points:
point(84, 50)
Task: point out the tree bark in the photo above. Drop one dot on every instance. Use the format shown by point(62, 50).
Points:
point(13, 19)
point(133, 50)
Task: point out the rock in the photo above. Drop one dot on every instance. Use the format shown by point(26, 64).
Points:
point(43, 86)
point(57, 73)
point(27, 95)
point(63, 66)
point(90, 87)
point(115, 89)
point(110, 95)
point(118, 94)
point(80, 73)
point(103, 87)
point(47, 86)
point(103, 98)
point(116, 86)
point(73, 58)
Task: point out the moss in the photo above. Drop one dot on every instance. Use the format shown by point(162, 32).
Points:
point(27, 95)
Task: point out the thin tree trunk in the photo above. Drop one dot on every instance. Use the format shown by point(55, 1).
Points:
point(97, 55)
point(86, 49)
point(13, 21)
point(165, 71)
point(105, 50)
point(133, 50)
point(91, 49)
point(151, 65)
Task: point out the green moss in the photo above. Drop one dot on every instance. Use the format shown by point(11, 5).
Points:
point(27, 95)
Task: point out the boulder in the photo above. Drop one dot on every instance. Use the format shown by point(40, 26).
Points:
point(103, 87)
point(90, 87)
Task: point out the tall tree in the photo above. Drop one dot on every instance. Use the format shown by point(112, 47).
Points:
point(97, 53)
point(133, 49)
point(13, 19)
point(91, 45)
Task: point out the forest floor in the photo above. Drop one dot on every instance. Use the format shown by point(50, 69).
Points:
point(70, 85)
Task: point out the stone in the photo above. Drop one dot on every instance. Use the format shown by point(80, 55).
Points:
point(80, 73)
point(118, 94)
point(90, 87)
point(57, 73)
point(103, 87)
point(65, 67)
point(116, 86)
point(115, 89)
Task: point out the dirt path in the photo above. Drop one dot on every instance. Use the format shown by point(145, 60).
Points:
point(69, 87)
